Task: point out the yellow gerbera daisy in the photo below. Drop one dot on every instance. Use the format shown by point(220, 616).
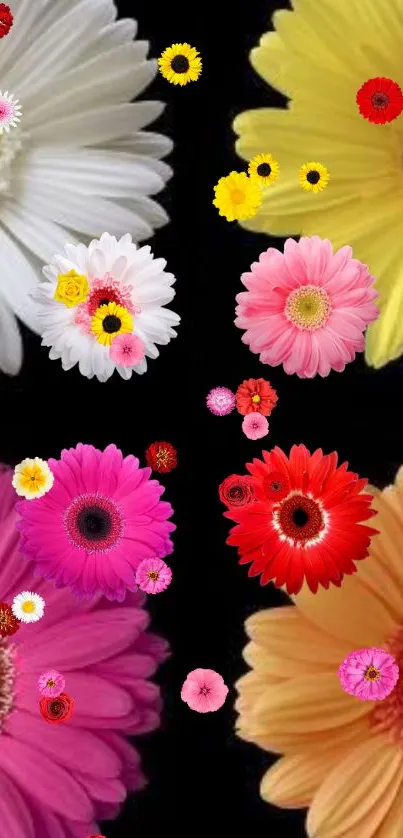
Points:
point(237, 196)
point(32, 478)
point(180, 64)
point(342, 757)
point(265, 168)
point(109, 321)
point(364, 206)
point(313, 177)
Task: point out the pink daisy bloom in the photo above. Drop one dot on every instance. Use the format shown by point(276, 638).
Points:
point(255, 426)
point(127, 350)
point(51, 684)
point(62, 780)
point(221, 401)
point(306, 308)
point(204, 691)
point(153, 576)
point(369, 674)
point(99, 520)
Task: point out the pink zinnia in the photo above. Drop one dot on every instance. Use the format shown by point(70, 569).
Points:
point(99, 520)
point(51, 684)
point(58, 780)
point(369, 674)
point(255, 426)
point(307, 308)
point(204, 691)
point(153, 576)
point(220, 401)
point(127, 350)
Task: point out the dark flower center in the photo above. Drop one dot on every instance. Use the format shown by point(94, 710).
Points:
point(111, 324)
point(56, 706)
point(264, 170)
point(313, 176)
point(94, 523)
point(299, 518)
point(50, 683)
point(153, 575)
point(380, 101)
point(371, 674)
point(204, 690)
point(105, 301)
point(180, 64)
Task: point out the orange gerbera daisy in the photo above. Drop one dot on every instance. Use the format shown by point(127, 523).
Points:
point(342, 757)
point(255, 395)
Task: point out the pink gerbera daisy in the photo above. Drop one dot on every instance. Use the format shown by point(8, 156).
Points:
point(255, 426)
point(307, 308)
point(51, 683)
point(153, 576)
point(61, 780)
point(204, 691)
point(99, 520)
point(127, 350)
point(369, 674)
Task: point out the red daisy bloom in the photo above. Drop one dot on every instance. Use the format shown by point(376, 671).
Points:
point(8, 623)
point(255, 395)
point(6, 20)
point(380, 100)
point(161, 457)
point(305, 524)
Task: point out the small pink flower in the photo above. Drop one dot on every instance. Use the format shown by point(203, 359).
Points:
point(204, 691)
point(221, 401)
point(369, 674)
point(127, 350)
point(51, 684)
point(255, 426)
point(153, 576)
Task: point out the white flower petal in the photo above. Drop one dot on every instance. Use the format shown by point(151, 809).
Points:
point(97, 125)
point(10, 341)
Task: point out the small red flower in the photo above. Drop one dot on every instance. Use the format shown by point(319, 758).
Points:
point(236, 491)
point(8, 623)
point(6, 20)
point(255, 395)
point(380, 100)
point(58, 709)
point(274, 487)
point(161, 457)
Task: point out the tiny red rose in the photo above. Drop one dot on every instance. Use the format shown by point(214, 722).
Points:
point(58, 709)
point(6, 20)
point(236, 491)
point(380, 100)
point(161, 457)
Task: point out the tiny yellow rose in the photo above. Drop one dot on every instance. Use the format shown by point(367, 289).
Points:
point(72, 289)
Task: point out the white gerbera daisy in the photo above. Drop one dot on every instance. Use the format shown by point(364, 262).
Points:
point(28, 607)
point(80, 161)
point(32, 478)
point(95, 296)
point(10, 111)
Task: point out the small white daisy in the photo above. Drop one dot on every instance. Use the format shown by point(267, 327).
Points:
point(32, 478)
point(10, 111)
point(28, 607)
point(95, 297)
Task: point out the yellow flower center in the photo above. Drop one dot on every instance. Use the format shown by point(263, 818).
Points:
point(50, 683)
point(153, 575)
point(32, 479)
point(28, 606)
point(308, 307)
point(237, 196)
point(372, 674)
point(256, 398)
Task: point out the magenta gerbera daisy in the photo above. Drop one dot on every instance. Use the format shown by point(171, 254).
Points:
point(307, 308)
point(369, 674)
point(101, 518)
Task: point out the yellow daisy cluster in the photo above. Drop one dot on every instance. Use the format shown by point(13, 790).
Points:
point(239, 195)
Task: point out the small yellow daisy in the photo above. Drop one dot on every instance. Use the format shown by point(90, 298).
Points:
point(313, 177)
point(32, 478)
point(180, 64)
point(109, 321)
point(237, 196)
point(264, 168)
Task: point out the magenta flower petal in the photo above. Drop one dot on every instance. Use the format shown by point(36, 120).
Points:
point(370, 674)
point(204, 691)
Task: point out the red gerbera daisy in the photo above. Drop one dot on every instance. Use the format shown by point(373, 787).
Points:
point(8, 623)
point(255, 395)
point(305, 524)
point(6, 20)
point(161, 457)
point(380, 100)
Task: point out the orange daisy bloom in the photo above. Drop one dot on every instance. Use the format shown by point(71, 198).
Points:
point(255, 395)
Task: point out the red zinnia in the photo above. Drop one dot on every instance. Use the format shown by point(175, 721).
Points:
point(255, 395)
point(380, 100)
point(161, 457)
point(6, 20)
point(58, 709)
point(305, 524)
point(8, 623)
point(236, 491)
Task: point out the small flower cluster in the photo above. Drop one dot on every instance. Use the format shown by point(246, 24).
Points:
point(238, 196)
point(26, 607)
point(254, 399)
point(55, 705)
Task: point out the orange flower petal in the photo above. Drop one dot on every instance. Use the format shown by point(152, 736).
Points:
point(292, 782)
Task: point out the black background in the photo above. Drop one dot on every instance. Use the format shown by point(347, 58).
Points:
point(198, 771)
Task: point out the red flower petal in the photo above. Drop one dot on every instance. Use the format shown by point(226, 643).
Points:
point(6, 20)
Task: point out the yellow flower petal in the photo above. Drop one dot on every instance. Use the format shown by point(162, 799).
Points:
point(292, 782)
point(365, 782)
point(391, 826)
